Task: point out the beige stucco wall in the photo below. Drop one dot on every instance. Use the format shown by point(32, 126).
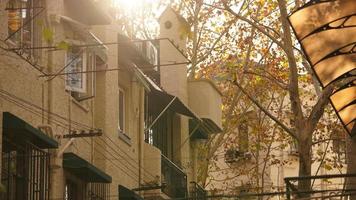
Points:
point(109, 153)
point(174, 81)
point(123, 158)
point(205, 100)
point(127, 162)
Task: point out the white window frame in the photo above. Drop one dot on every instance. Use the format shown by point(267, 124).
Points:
point(68, 68)
point(122, 129)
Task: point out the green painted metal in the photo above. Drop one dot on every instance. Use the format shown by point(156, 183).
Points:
point(206, 127)
point(21, 131)
point(84, 170)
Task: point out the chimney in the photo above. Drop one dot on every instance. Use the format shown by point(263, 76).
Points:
point(173, 77)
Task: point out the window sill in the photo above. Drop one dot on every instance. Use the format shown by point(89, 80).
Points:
point(124, 137)
point(80, 105)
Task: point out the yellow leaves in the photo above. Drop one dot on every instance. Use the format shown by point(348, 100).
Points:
point(185, 31)
point(327, 167)
point(47, 34)
point(63, 45)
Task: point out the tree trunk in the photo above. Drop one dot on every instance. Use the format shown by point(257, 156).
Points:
point(305, 151)
point(351, 165)
point(304, 167)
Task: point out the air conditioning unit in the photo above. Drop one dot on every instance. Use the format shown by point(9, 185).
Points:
point(151, 53)
point(235, 155)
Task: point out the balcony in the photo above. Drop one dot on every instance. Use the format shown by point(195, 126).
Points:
point(197, 191)
point(145, 54)
point(174, 179)
point(205, 101)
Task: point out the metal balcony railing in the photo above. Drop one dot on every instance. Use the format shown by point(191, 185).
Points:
point(148, 51)
point(197, 192)
point(174, 179)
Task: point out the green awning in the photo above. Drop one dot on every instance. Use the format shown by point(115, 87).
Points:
point(84, 170)
point(18, 130)
point(206, 127)
point(127, 194)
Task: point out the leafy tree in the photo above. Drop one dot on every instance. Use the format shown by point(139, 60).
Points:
point(233, 36)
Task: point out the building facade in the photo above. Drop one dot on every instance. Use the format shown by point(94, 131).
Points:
point(88, 112)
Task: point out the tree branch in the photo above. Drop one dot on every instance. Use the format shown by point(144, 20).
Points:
point(318, 108)
point(253, 24)
point(282, 125)
point(274, 80)
point(215, 42)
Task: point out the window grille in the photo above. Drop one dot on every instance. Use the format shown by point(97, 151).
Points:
point(25, 171)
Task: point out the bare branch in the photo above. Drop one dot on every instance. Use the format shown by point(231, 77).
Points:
point(271, 78)
point(255, 25)
point(281, 124)
point(216, 41)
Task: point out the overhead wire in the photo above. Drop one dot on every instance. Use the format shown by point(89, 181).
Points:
point(65, 126)
point(62, 124)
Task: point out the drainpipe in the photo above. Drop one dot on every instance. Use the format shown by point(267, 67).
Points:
point(55, 173)
point(140, 134)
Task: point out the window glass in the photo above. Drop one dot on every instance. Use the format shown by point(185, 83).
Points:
point(23, 24)
point(76, 63)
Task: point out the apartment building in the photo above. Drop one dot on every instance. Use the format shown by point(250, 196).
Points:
point(88, 112)
point(255, 162)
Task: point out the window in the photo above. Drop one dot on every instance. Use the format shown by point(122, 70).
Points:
point(71, 190)
point(293, 147)
point(81, 85)
point(23, 29)
point(75, 62)
point(243, 137)
point(339, 146)
point(25, 171)
point(121, 120)
point(152, 53)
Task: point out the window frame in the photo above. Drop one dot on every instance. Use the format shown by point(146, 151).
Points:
point(122, 129)
point(34, 29)
point(83, 58)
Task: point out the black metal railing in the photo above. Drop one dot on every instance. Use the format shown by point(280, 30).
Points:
point(197, 192)
point(98, 191)
point(329, 186)
point(25, 172)
point(148, 51)
point(174, 179)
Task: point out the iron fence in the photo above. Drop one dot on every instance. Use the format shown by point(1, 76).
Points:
point(197, 192)
point(25, 172)
point(334, 186)
point(98, 191)
point(174, 179)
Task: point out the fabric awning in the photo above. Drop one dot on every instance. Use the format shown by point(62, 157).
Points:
point(177, 106)
point(206, 127)
point(94, 43)
point(327, 33)
point(18, 130)
point(163, 98)
point(84, 170)
point(127, 194)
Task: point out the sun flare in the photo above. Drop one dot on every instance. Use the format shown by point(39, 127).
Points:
point(131, 4)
